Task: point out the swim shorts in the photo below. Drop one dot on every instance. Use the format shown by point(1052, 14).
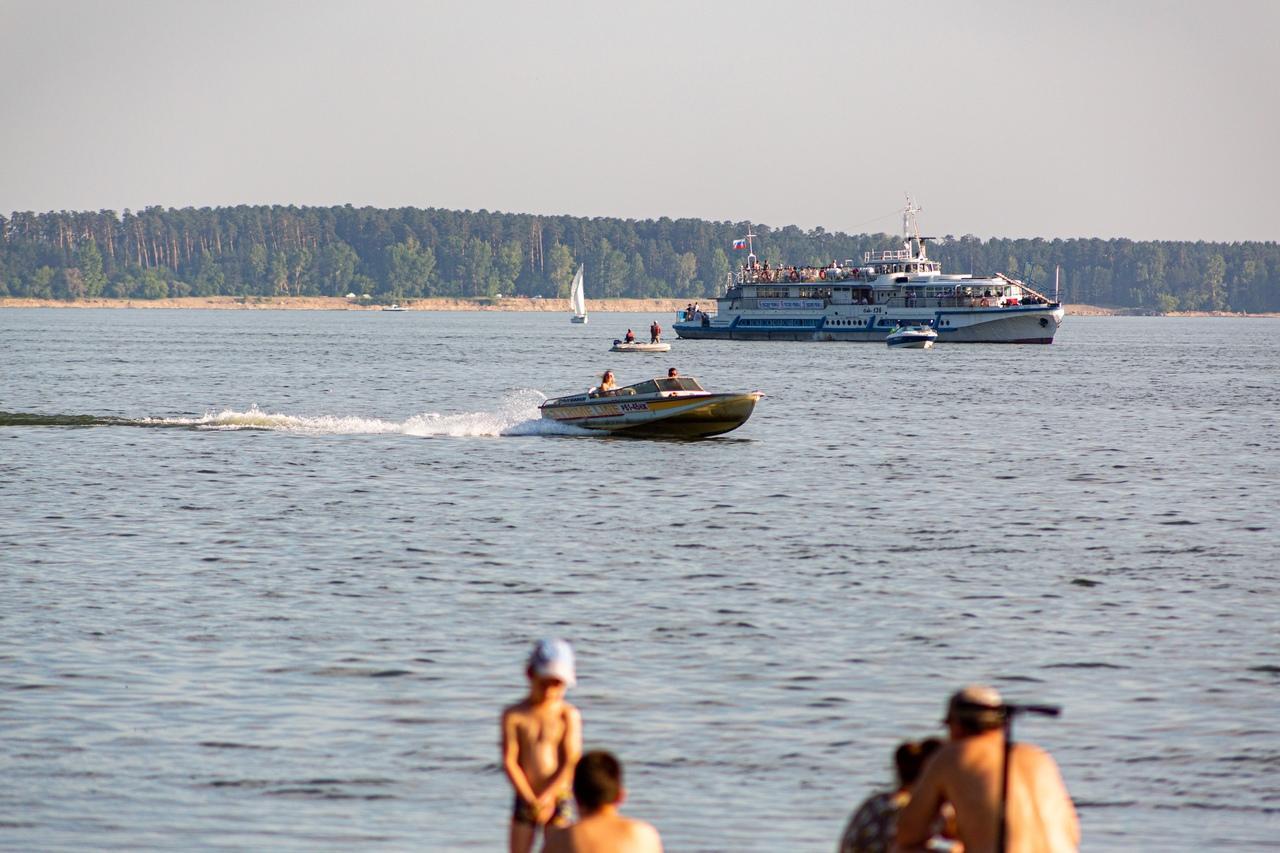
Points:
point(522, 812)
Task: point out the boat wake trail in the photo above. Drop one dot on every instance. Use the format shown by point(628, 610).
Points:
point(517, 415)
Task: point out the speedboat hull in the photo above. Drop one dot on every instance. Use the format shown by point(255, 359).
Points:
point(699, 416)
point(623, 346)
point(911, 339)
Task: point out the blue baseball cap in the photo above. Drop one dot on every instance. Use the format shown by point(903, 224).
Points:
point(553, 658)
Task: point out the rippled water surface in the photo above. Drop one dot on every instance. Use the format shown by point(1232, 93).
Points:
point(281, 600)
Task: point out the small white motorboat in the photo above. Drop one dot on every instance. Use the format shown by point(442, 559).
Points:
point(392, 307)
point(676, 407)
point(911, 337)
point(637, 346)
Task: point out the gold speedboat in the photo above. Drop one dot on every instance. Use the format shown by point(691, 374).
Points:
point(676, 407)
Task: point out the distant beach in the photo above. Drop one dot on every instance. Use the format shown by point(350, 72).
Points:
point(338, 303)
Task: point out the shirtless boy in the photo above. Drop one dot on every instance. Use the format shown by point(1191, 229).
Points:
point(966, 772)
point(597, 786)
point(541, 742)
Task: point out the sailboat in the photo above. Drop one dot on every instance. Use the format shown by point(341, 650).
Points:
point(578, 299)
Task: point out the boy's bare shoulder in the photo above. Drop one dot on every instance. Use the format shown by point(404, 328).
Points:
point(644, 830)
point(644, 836)
point(517, 709)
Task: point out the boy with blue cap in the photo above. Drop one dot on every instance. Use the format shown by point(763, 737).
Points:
point(541, 743)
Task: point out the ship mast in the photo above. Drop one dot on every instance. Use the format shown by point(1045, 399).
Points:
point(751, 250)
point(911, 227)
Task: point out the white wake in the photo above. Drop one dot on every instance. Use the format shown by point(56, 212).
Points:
point(517, 415)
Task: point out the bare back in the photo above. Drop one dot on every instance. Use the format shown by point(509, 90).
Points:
point(967, 774)
point(606, 833)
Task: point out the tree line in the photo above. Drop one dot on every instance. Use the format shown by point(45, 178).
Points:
point(407, 253)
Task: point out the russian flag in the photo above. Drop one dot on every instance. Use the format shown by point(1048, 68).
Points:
point(739, 244)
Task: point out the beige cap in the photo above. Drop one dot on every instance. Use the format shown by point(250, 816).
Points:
point(976, 704)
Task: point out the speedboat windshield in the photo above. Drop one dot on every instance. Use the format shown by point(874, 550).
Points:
point(669, 383)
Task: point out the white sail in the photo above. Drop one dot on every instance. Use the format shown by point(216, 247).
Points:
point(578, 298)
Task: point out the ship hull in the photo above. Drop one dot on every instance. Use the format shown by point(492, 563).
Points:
point(1012, 325)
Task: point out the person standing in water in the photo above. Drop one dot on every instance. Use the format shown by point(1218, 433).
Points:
point(541, 742)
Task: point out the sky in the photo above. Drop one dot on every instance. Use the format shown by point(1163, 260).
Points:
point(1138, 119)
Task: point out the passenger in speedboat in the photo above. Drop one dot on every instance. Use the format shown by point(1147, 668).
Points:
point(655, 333)
point(606, 385)
point(630, 337)
point(672, 373)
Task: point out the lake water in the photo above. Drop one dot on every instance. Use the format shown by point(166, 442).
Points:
point(287, 610)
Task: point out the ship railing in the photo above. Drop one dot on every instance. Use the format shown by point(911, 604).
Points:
point(1028, 288)
point(804, 275)
point(943, 302)
point(683, 315)
point(887, 255)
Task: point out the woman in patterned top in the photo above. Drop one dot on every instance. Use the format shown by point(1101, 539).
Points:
point(873, 827)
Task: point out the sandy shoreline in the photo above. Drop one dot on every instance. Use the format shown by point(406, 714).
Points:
point(336, 303)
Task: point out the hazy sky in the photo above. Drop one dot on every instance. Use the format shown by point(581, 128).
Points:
point(1149, 120)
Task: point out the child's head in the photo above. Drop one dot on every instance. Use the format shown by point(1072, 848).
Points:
point(551, 663)
point(597, 781)
point(911, 757)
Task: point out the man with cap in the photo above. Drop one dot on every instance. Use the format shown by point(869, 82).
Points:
point(967, 773)
point(541, 743)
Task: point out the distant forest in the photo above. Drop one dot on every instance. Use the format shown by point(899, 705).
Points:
point(408, 253)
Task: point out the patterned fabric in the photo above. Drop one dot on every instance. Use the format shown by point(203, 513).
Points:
point(522, 812)
point(873, 827)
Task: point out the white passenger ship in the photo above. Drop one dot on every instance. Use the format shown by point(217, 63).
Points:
point(864, 302)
